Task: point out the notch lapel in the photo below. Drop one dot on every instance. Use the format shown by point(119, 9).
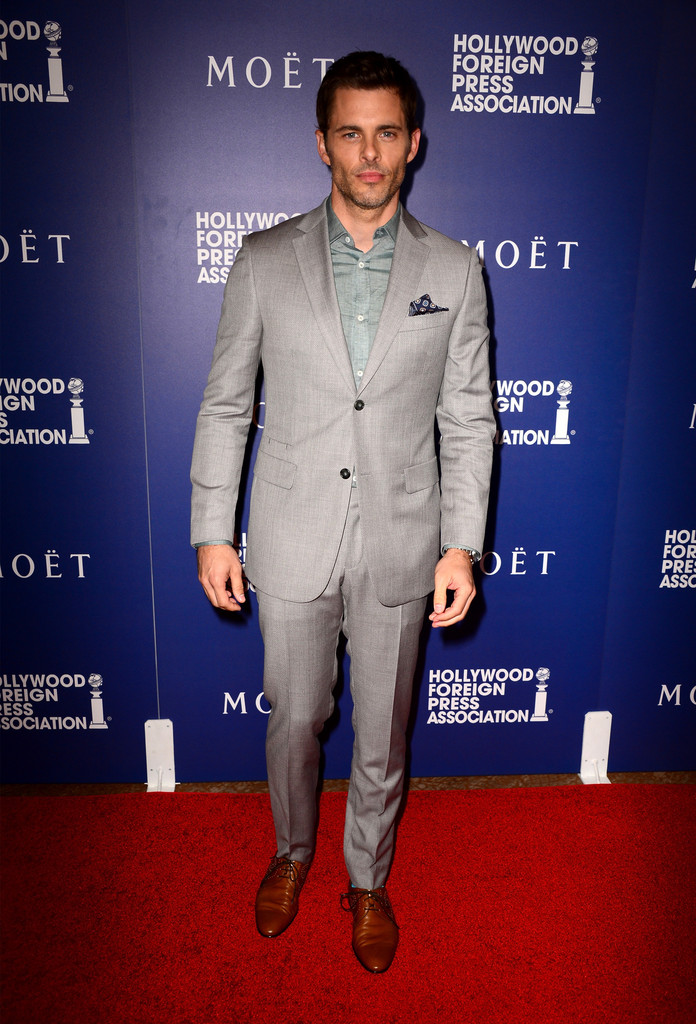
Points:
point(314, 259)
point(410, 257)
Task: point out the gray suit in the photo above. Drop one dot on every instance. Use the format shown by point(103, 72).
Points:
point(280, 307)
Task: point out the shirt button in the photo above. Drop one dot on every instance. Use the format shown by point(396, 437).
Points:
point(347, 239)
point(359, 404)
point(361, 265)
point(360, 373)
point(345, 473)
point(360, 318)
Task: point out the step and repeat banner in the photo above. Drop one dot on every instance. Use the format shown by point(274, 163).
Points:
point(141, 141)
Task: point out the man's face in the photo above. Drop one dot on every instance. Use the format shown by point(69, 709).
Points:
point(367, 146)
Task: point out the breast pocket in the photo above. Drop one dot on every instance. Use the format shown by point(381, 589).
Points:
point(426, 322)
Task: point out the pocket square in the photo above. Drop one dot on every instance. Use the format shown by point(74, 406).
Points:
point(423, 305)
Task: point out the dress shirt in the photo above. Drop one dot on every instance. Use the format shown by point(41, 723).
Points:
point(361, 280)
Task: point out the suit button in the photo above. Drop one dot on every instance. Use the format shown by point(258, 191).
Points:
point(359, 405)
point(345, 473)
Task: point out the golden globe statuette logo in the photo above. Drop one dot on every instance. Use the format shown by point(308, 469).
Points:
point(560, 434)
point(56, 90)
point(96, 682)
point(589, 49)
point(540, 714)
point(77, 413)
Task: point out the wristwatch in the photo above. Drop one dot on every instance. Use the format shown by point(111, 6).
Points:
point(473, 554)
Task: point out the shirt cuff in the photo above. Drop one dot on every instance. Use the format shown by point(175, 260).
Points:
point(205, 543)
point(475, 555)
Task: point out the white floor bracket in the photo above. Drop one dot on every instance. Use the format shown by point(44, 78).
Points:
point(159, 748)
point(595, 748)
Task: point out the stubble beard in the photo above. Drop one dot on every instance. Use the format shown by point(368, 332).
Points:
point(370, 197)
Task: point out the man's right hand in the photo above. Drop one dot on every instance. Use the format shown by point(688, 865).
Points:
point(220, 573)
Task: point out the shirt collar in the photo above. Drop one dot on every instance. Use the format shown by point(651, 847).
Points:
point(336, 229)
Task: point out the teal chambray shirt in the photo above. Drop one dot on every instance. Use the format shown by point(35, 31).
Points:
point(361, 280)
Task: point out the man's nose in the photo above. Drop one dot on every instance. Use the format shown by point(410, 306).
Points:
point(370, 150)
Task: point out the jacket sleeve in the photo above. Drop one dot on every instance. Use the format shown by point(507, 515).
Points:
point(465, 419)
point(225, 414)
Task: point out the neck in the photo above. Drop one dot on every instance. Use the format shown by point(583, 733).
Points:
point(362, 223)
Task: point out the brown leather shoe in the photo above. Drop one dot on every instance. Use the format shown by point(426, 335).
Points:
point(375, 932)
point(277, 900)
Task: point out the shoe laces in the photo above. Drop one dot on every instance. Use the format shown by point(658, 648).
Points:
point(368, 899)
point(283, 867)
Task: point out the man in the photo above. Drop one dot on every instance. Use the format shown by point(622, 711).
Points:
point(368, 325)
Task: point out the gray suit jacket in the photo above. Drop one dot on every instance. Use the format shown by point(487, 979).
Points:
point(280, 307)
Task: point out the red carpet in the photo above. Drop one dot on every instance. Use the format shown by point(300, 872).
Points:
point(557, 905)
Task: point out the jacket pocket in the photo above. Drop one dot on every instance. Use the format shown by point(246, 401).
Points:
point(426, 322)
point(423, 475)
point(274, 471)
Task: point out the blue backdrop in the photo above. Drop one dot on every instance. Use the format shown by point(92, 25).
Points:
point(140, 142)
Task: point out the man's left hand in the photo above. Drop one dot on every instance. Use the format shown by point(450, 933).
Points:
point(453, 572)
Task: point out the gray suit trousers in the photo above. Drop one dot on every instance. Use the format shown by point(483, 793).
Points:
point(300, 671)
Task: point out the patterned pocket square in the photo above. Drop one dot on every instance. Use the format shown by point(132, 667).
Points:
point(423, 305)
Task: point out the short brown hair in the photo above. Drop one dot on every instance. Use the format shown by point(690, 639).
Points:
point(366, 69)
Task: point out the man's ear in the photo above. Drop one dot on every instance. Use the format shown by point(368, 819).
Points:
point(321, 147)
point(415, 143)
